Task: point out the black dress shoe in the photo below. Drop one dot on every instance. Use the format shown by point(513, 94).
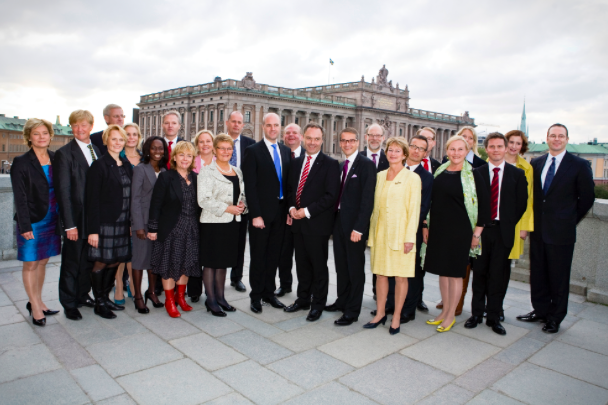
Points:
point(219, 313)
point(346, 320)
point(114, 306)
point(531, 317)
point(196, 298)
point(295, 307)
point(275, 303)
point(256, 306)
point(73, 314)
point(86, 302)
point(314, 315)
point(333, 308)
point(496, 327)
point(48, 312)
point(407, 318)
point(394, 331)
point(387, 311)
point(422, 307)
point(473, 321)
point(227, 307)
point(371, 325)
point(239, 286)
point(281, 291)
point(551, 327)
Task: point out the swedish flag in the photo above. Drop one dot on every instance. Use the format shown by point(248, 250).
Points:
point(331, 62)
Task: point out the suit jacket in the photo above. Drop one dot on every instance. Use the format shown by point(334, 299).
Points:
point(245, 142)
point(319, 194)
point(261, 180)
point(382, 162)
point(568, 199)
point(166, 203)
point(31, 190)
point(513, 199)
point(215, 193)
point(434, 165)
point(426, 180)
point(70, 169)
point(142, 185)
point(96, 139)
point(357, 200)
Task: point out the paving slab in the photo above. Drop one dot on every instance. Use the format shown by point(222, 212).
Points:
point(448, 394)
point(89, 330)
point(519, 351)
point(167, 328)
point(65, 348)
point(256, 347)
point(485, 334)
point(489, 397)
point(589, 335)
point(331, 394)
point(10, 314)
point(25, 361)
point(17, 335)
point(212, 325)
point(55, 387)
point(483, 375)
point(269, 314)
point(123, 399)
point(179, 382)
point(96, 383)
point(313, 335)
point(4, 300)
point(300, 321)
point(254, 324)
point(207, 351)
point(230, 399)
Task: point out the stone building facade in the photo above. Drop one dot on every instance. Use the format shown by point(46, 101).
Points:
point(336, 106)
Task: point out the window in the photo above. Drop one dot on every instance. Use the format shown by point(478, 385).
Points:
point(282, 121)
point(221, 115)
point(193, 117)
point(210, 116)
point(247, 116)
point(3, 148)
point(297, 121)
point(335, 125)
point(400, 131)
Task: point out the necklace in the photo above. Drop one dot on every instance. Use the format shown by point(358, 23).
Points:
point(225, 172)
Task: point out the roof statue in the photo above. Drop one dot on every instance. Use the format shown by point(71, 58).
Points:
point(382, 76)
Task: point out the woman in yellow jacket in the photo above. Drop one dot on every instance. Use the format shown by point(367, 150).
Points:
point(517, 146)
point(393, 227)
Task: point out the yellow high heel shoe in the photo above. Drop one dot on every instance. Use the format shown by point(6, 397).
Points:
point(434, 321)
point(441, 329)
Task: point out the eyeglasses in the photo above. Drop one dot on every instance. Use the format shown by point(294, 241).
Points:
point(118, 116)
point(349, 141)
point(374, 136)
point(418, 148)
point(560, 136)
point(225, 149)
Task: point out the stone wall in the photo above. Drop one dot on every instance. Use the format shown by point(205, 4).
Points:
point(8, 241)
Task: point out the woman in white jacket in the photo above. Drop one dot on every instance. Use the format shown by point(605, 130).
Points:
point(221, 195)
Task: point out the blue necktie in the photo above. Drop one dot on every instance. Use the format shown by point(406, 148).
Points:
point(549, 177)
point(233, 157)
point(277, 167)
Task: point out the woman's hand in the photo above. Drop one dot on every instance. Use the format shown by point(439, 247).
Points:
point(475, 241)
point(407, 247)
point(28, 235)
point(425, 235)
point(94, 240)
point(152, 236)
point(72, 234)
point(235, 209)
point(141, 234)
point(523, 234)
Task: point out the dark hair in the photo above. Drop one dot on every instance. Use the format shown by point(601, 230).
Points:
point(494, 135)
point(524, 139)
point(350, 131)
point(422, 138)
point(146, 150)
point(316, 126)
point(558, 125)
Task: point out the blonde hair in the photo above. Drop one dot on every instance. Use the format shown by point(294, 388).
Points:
point(109, 129)
point(80, 115)
point(196, 138)
point(173, 112)
point(31, 125)
point(219, 138)
point(474, 148)
point(402, 143)
point(456, 138)
point(139, 135)
point(109, 108)
point(431, 130)
point(181, 147)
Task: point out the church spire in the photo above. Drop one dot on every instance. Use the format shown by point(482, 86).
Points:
point(523, 127)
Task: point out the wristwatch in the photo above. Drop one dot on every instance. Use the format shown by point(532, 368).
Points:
point(476, 236)
point(424, 225)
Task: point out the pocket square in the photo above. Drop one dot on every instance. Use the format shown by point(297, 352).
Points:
point(353, 176)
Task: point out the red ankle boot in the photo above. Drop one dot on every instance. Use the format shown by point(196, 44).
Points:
point(170, 304)
point(180, 298)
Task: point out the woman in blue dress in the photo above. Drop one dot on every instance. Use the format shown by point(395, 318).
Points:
point(36, 213)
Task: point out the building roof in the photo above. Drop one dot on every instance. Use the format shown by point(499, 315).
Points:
point(581, 149)
point(17, 124)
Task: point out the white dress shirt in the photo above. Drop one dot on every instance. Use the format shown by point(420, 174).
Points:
point(350, 160)
point(469, 156)
point(414, 167)
point(84, 147)
point(378, 153)
point(312, 162)
point(558, 160)
point(500, 173)
point(298, 151)
point(271, 151)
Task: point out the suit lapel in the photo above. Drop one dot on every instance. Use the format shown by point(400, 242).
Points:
point(564, 167)
point(315, 168)
point(78, 155)
point(176, 183)
point(351, 170)
point(150, 173)
point(285, 156)
point(36, 163)
point(538, 170)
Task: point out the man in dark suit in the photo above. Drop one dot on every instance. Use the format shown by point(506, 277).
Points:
point(563, 193)
point(112, 115)
point(427, 162)
point(265, 171)
point(292, 135)
point(508, 201)
point(353, 212)
point(374, 152)
point(70, 167)
point(234, 124)
point(314, 185)
point(172, 123)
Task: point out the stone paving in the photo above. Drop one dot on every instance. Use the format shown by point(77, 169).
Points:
point(275, 357)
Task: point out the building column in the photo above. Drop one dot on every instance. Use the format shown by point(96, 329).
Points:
point(294, 114)
point(306, 118)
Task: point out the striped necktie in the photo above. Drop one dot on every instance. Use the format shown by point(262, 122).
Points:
point(92, 152)
point(303, 180)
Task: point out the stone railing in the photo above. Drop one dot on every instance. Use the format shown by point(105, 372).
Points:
point(8, 241)
point(590, 263)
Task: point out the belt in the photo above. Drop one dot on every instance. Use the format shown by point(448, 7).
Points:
point(493, 223)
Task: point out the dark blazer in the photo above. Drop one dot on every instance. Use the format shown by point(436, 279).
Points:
point(382, 162)
point(427, 190)
point(104, 197)
point(96, 139)
point(31, 190)
point(245, 142)
point(477, 161)
point(166, 203)
point(69, 176)
point(261, 180)
point(434, 165)
point(319, 195)
point(568, 199)
point(513, 199)
point(144, 178)
point(357, 201)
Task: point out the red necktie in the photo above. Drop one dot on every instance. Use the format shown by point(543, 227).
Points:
point(426, 164)
point(169, 161)
point(293, 155)
point(303, 180)
point(374, 158)
point(494, 193)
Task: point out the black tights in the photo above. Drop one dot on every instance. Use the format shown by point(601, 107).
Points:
point(214, 280)
point(99, 266)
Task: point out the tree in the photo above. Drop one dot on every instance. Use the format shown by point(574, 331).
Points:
point(482, 153)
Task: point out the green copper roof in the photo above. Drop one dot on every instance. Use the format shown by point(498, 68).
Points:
point(17, 124)
point(582, 149)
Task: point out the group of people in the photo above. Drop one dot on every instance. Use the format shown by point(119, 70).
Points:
point(181, 211)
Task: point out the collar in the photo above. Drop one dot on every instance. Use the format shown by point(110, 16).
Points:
point(412, 167)
point(371, 152)
point(558, 158)
point(168, 140)
point(470, 156)
point(312, 156)
point(298, 151)
point(86, 145)
point(238, 138)
point(500, 166)
point(352, 157)
point(268, 143)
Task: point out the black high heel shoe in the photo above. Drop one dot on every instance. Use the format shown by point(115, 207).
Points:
point(371, 325)
point(154, 304)
point(37, 322)
point(227, 308)
point(394, 331)
point(143, 310)
point(221, 314)
point(48, 312)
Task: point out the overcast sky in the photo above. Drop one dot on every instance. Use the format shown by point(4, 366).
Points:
point(478, 56)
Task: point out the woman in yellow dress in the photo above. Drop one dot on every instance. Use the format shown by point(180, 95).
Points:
point(517, 146)
point(393, 227)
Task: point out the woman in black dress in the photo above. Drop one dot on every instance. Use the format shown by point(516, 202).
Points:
point(221, 195)
point(108, 199)
point(173, 226)
point(460, 208)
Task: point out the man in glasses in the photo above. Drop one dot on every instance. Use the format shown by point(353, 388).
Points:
point(113, 115)
point(427, 161)
point(375, 138)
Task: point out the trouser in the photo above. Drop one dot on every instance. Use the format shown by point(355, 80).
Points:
point(74, 273)
point(550, 267)
point(350, 270)
point(265, 250)
point(491, 274)
point(286, 260)
point(311, 266)
point(415, 286)
point(236, 273)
